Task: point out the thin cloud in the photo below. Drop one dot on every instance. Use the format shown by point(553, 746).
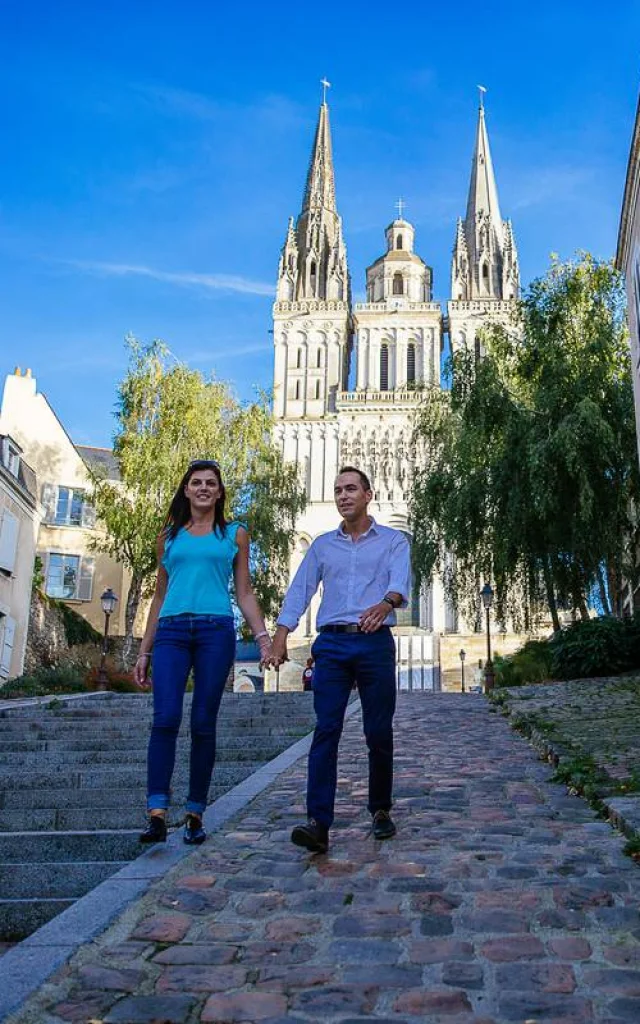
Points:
point(209, 282)
point(550, 185)
point(214, 355)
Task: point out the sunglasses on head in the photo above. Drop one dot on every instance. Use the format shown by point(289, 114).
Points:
point(204, 463)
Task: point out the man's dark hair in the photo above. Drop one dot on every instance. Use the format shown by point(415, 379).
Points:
point(364, 479)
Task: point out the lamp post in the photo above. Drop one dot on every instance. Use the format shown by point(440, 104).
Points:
point(487, 600)
point(463, 655)
point(108, 600)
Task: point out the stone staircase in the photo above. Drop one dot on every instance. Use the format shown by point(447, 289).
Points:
point(72, 788)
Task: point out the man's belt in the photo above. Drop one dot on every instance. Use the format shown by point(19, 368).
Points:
point(345, 627)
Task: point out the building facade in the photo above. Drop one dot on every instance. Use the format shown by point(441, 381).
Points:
point(73, 571)
point(19, 520)
point(330, 412)
point(628, 261)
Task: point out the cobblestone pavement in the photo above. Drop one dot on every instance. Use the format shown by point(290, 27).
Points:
point(502, 899)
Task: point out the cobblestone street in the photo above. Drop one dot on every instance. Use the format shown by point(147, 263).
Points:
point(502, 899)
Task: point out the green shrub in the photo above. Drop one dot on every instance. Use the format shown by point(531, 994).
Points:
point(44, 681)
point(599, 647)
point(531, 664)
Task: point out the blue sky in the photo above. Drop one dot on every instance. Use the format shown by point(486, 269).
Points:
point(152, 153)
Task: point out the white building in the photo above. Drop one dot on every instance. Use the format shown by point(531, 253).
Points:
point(396, 336)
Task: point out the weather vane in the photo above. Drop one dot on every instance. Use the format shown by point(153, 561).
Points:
point(482, 91)
point(325, 85)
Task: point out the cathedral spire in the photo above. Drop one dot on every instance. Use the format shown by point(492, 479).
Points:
point(483, 192)
point(313, 264)
point(485, 261)
point(320, 190)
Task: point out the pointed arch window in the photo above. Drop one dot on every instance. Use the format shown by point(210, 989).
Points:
point(299, 359)
point(399, 242)
point(319, 359)
point(313, 275)
point(384, 368)
point(398, 284)
point(411, 364)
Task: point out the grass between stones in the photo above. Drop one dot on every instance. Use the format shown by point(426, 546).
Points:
point(590, 731)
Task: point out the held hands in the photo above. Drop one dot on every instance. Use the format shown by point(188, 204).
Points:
point(141, 670)
point(372, 618)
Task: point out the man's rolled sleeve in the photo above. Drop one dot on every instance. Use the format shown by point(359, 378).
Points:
point(302, 588)
point(400, 569)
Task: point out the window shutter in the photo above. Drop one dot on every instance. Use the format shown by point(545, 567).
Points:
point(8, 541)
point(7, 645)
point(85, 584)
point(88, 515)
point(49, 500)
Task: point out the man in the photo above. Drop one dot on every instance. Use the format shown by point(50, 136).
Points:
point(365, 572)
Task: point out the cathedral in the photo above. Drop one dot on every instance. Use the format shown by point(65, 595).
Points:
point(395, 338)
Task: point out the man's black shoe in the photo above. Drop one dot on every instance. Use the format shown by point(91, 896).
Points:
point(383, 827)
point(194, 832)
point(156, 830)
point(313, 836)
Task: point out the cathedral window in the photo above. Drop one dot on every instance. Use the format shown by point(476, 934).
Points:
point(312, 277)
point(399, 242)
point(398, 284)
point(411, 364)
point(319, 358)
point(384, 368)
point(317, 389)
point(299, 359)
point(297, 389)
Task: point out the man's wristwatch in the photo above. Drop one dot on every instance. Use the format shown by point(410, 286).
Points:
point(390, 600)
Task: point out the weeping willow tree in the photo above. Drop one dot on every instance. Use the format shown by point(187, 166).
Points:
point(167, 415)
point(529, 471)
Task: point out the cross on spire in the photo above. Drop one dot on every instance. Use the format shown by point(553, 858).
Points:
point(400, 206)
point(325, 85)
point(481, 90)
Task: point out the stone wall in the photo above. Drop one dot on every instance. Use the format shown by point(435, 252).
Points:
point(475, 647)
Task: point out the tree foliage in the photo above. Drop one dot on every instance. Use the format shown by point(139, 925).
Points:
point(530, 473)
point(168, 415)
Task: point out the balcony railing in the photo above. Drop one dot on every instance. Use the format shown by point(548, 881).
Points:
point(399, 396)
point(399, 304)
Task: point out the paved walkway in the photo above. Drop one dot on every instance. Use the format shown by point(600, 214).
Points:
point(501, 899)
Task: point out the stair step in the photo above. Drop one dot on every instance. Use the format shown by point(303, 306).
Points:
point(36, 847)
point(20, 918)
point(54, 880)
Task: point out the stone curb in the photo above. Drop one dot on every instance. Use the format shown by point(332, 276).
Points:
point(25, 967)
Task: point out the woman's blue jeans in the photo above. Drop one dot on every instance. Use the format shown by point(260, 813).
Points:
point(206, 644)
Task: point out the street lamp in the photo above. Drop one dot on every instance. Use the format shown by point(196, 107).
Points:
point(463, 655)
point(487, 600)
point(108, 600)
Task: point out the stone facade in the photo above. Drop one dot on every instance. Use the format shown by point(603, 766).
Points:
point(628, 261)
point(19, 519)
point(396, 337)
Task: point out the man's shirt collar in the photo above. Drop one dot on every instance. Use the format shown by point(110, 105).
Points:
point(343, 535)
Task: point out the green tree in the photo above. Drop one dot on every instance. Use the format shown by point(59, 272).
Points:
point(167, 415)
point(530, 474)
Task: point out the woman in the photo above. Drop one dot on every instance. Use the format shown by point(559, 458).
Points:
point(190, 626)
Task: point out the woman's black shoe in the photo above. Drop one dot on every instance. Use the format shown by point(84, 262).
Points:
point(194, 832)
point(156, 830)
point(383, 826)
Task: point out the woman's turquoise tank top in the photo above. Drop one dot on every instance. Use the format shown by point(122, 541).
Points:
point(199, 570)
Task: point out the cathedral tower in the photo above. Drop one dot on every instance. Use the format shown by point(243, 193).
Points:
point(485, 275)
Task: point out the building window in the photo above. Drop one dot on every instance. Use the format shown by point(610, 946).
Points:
point(398, 284)
point(312, 277)
point(298, 359)
point(399, 242)
point(384, 368)
point(317, 389)
point(10, 456)
point(69, 507)
point(7, 634)
point(9, 528)
point(319, 358)
point(297, 395)
point(69, 577)
point(411, 364)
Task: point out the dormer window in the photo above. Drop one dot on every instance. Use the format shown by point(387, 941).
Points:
point(398, 284)
point(10, 456)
